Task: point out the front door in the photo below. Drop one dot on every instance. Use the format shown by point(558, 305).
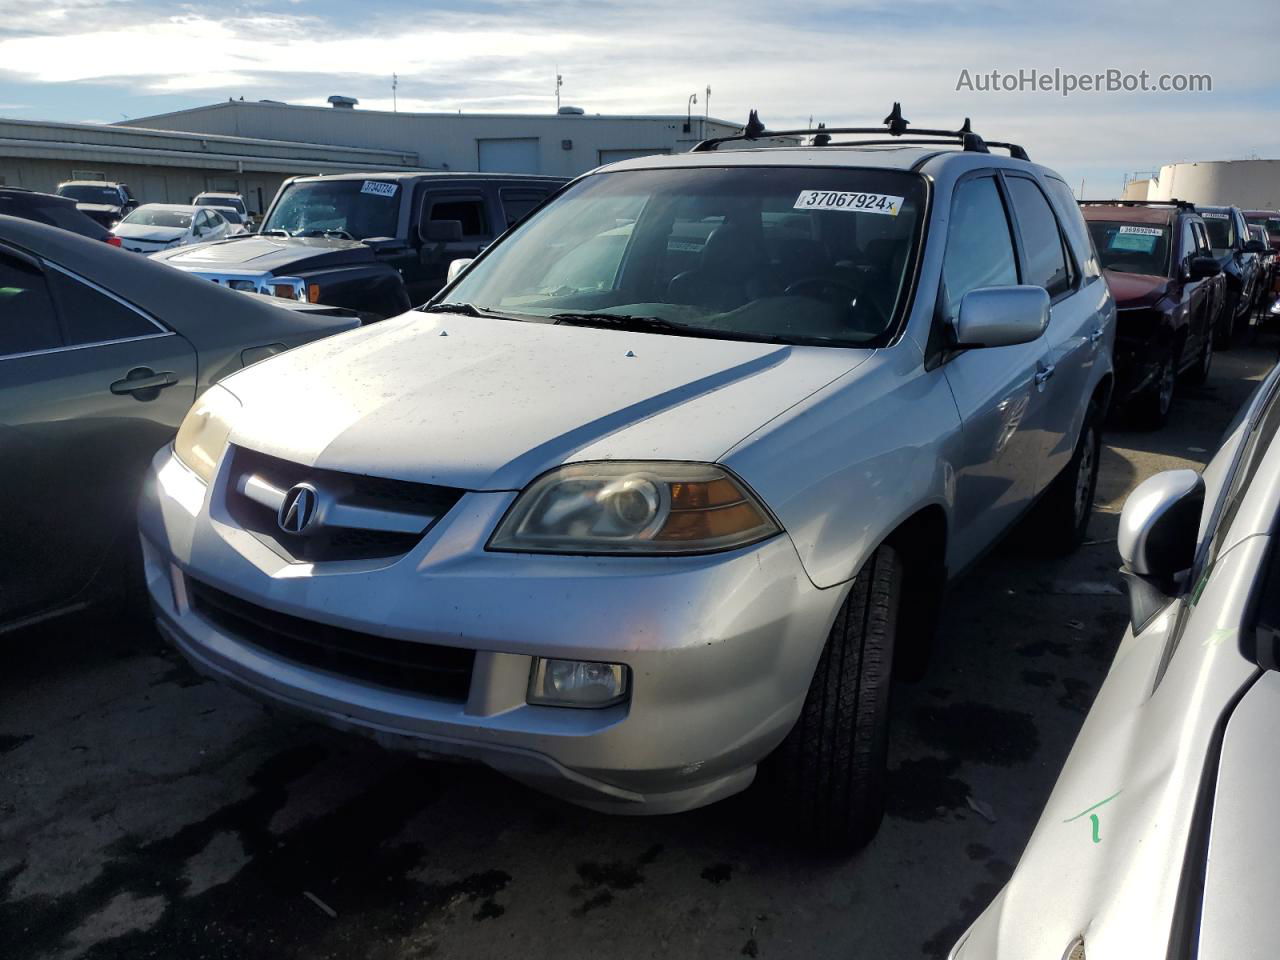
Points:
point(995, 388)
point(90, 388)
point(430, 268)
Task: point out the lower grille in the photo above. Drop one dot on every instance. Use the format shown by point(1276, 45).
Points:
point(440, 672)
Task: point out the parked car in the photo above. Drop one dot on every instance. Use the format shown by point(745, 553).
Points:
point(1238, 255)
point(103, 200)
point(101, 356)
point(163, 226)
point(375, 242)
point(1169, 295)
point(657, 488)
point(1267, 261)
point(53, 210)
point(223, 201)
point(1159, 839)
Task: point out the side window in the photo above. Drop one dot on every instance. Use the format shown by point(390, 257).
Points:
point(517, 204)
point(469, 211)
point(1202, 238)
point(27, 318)
point(1189, 244)
point(979, 244)
point(1073, 223)
point(1046, 264)
point(92, 317)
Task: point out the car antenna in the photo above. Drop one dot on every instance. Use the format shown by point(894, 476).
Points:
point(895, 121)
point(821, 139)
point(754, 127)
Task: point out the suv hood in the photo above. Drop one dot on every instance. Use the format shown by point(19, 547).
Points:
point(1136, 289)
point(278, 255)
point(488, 404)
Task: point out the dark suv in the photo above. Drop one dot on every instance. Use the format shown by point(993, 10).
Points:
point(1269, 220)
point(378, 243)
point(1241, 261)
point(1169, 294)
point(103, 200)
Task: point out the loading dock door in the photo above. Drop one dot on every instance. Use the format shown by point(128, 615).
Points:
point(509, 156)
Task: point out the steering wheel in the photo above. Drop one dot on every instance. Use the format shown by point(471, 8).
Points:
point(823, 287)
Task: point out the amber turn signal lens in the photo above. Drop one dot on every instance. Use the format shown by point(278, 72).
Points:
point(708, 524)
point(283, 290)
point(700, 496)
point(313, 292)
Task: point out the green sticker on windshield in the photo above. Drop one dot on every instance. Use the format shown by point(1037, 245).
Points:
point(1140, 242)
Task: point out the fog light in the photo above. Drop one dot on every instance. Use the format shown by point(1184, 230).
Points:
point(577, 683)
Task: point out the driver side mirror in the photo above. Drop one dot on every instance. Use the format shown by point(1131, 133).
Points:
point(1255, 246)
point(1201, 268)
point(444, 231)
point(1001, 316)
point(457, 266)
point(1159, 528)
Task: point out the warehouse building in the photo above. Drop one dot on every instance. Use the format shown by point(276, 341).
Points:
point(1250, 184)
point(562, 144)
point(172, 167)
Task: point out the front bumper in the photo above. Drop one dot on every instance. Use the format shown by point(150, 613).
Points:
point(720, 648)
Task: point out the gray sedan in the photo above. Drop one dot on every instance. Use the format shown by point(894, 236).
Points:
point(1159, 840)
point(102, 353)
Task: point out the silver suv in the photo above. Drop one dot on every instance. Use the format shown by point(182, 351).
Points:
point(660, 488)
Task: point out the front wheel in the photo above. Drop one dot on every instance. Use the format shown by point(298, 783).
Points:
point(1153, 406)
point(827, 779)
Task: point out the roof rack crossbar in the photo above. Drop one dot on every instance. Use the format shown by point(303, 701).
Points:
point(1180, 204)
point(895, 125)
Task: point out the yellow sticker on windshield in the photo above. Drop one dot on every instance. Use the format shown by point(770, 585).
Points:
point(851, 202)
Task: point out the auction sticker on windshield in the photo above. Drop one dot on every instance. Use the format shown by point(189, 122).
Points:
point(1142, 231)
point(844, 200)
point(379, 189)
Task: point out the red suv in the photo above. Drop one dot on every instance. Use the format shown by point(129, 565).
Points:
point(1169, 293)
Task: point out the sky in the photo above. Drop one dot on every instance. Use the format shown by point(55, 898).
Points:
point(843, 63)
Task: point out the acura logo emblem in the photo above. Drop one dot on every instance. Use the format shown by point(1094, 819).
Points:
point(298, 509)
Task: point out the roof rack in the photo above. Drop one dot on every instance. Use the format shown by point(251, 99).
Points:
point(895, 125)
point(1180, 204)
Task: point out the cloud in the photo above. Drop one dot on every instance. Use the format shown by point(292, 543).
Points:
point(842, 62)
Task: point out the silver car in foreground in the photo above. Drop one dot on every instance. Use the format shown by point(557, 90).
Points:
point(1160, 839)
point(663, 483)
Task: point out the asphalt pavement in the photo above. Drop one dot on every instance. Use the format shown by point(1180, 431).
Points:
point(145, 812)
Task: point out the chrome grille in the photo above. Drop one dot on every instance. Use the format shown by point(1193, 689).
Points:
point(363, 517)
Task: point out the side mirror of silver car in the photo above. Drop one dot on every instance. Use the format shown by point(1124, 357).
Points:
point(456, 267)
point(1159, 526)
point(1001, 316)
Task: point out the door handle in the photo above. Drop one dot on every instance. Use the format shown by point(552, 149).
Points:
point(1043, 374)
point(144, 380)
point(1096, 335)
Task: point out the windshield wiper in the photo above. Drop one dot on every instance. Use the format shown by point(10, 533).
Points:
point(466, 309)
point(624, 321)
point(275, 232)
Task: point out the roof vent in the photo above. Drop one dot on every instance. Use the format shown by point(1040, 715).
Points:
point(571, 112)
point(342, 103)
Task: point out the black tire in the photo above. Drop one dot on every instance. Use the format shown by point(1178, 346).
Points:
point(827, 778)
point(1199, 373)
point(1067, 505)
point(1226, 324)
point(1151, 408)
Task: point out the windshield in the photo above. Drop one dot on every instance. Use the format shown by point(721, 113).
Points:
point(1271, 224)
point(357, 208)
point(85, 193)
point(796, 255)
point(1222, 231)
point(152, 217)
point(1132, 247)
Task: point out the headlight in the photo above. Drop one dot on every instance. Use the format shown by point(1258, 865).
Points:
point(203, 434)
point(636, 508)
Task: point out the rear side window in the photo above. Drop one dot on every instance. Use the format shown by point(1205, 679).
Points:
point(1046, 264)
point(979, 245)
point(92, 317)
point(27, 318)
point(1073, 223)
point(518, 204)
point(469, 211)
